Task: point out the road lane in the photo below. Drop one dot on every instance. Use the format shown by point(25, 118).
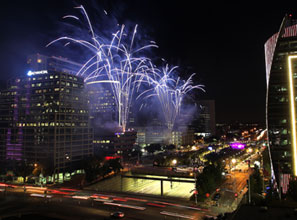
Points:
point(64, 204)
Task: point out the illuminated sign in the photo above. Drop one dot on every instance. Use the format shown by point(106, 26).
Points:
point(32, 73)
point(293, 113)
point(237, 145)
point(119, 134)
point(112, 157)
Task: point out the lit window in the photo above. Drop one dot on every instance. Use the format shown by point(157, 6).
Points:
point(284, 121)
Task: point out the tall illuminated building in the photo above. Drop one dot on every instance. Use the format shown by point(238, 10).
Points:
point(47, 119)
point(281, 78)
point(102, 107)
point(37, 62)
point(205, 124)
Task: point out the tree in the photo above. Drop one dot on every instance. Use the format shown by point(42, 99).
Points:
point(209, 180)
point(170, 147)
point(256, 181)
point(46, 167)
point(91, 167)
point(115, 165)
point(23, 169)
point(153, 147)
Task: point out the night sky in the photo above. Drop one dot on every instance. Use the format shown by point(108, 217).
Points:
point(222, 43)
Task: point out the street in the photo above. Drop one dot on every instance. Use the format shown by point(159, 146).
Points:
point(73, 204)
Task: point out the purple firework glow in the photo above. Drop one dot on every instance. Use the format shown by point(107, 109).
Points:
point(238, 146)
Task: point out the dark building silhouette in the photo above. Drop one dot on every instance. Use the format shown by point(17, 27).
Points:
point(205, 123)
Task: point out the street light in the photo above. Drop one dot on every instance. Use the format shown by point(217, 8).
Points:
point(232, 163)
point(249, 150)
point(174, 162)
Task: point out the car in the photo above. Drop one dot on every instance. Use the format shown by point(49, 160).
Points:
point(117, 215)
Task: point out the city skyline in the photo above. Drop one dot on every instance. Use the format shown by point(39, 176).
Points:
point(147, 109)
point(218, 53)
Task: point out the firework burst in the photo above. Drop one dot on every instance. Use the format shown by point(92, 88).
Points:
point(117, 62)
point(169, 91)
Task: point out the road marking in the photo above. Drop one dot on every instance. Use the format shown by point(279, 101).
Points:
point(140, 200)
point(176, 215)
point(190, 207)
point(103, 200)
point(156, 205)
point(166, 203)
point(81, 197)
point(125, 206)
point(40, 195)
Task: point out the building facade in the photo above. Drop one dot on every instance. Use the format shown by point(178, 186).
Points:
point(37, 62)
point(45, 121)
point(281, 79)
point(102, 108)
point(204, 124)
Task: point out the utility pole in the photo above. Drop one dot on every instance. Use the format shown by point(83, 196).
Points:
point(262, 166)
point(196, 191)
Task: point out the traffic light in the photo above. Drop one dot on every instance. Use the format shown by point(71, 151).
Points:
point(236, 195)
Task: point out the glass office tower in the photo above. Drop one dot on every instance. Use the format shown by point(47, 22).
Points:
point(281, 76)
point(46, 121)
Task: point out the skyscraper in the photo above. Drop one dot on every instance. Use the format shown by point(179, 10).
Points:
point(37, 62)
point(281, 76)
point(102, 107)
point(45, 120)
point(207, 121)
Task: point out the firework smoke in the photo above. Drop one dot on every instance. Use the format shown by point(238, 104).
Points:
point(123, 65)
point(116, 62)
point(169, 91)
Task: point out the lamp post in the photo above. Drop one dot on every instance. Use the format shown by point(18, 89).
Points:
point(174, 162)
point(233, 162)
point(196, 191)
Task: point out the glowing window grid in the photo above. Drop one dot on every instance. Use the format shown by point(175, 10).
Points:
point(293, 113)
